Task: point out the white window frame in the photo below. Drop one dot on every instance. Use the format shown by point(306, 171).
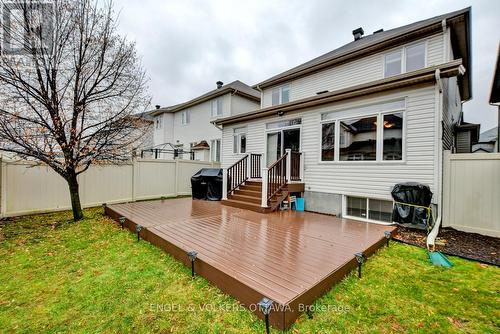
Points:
point(214, 151)
point(158, 122)
point(216, 108)
point(380, 139)
point(367, 219)
point(403, 53)
point(280, 89)
point(237, 139)
point(185, 117)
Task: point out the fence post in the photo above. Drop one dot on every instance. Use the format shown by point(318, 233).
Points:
point(177, 161)
point(224, 183)
point(288, 165)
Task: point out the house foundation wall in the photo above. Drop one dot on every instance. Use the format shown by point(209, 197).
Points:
point(323, 202)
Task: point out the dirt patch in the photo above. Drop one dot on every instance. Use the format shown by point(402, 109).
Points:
point(449, 241)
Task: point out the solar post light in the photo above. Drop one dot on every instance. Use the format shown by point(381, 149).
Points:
point(192, 256)
point(122, 221)
point(104, 205)
point(387, 237)
point(360, 257)
point(265, 306)
point(138, 229)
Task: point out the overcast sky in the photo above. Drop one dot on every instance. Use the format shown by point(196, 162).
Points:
point(187, 46)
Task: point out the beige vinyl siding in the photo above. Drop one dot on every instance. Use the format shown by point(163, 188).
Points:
point(368, 179)
point(356, 72)
point(241, 105)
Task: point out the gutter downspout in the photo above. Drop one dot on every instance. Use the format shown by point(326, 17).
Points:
point(261, 95)
point(431, 237)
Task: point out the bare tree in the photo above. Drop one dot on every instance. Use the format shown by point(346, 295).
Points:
point(70, 87)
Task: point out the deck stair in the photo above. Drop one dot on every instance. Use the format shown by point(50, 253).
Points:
point(249, 196)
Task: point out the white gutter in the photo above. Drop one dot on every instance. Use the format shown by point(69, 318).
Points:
point(431, 237)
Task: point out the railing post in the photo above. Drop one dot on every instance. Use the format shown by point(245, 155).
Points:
point(301, 171)
point(249, 165)
point(224, 183)
point(288, 166)
point(264, 188)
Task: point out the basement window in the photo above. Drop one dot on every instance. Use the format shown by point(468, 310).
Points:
point(369, 208)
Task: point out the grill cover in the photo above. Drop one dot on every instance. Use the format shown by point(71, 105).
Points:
point(411, 216)
point(207, 184)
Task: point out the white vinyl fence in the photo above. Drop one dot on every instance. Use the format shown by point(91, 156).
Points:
point(27, 188)
point(471, 192)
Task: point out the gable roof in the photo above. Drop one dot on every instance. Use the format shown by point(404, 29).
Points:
point(236, 87)
point(459, 22)
point(490, 135)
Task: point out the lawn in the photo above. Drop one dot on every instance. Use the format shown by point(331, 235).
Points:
point(92, 277)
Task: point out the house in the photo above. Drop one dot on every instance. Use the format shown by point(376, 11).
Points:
point(495, 95)
point(185, 130)
point(466, 136)
point(488, 142)
point(344, 128)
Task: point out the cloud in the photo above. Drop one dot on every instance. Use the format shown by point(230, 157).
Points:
point(188, 45)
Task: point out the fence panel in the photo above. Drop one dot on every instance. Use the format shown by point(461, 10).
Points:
point(471, 192)
point(28, 188)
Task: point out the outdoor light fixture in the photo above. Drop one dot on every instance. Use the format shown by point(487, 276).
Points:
point(138, 229)
point(104, 207)
point(265, 306)
point(387, 237)
point(360, 257)
point(192, 256)
point(122, 221)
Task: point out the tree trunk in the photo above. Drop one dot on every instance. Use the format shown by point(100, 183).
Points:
point(76, 206)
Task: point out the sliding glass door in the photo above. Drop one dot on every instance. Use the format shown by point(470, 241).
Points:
point(281, 140)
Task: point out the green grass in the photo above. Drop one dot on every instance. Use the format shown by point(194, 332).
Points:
point(92, 277)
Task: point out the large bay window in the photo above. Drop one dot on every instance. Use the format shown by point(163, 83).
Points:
point(240, 140)
point(378, 136)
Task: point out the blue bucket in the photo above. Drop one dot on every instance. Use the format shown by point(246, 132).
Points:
point(299, 204)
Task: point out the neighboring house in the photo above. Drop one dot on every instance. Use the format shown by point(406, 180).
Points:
point(495, 95)
point(187, 127)
point(466, 136)
point(375, 112)
point(488, 141)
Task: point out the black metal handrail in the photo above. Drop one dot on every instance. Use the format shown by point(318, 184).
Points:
point(237, 174)
point(255, 163)
point(276, 177)
point(295, 166)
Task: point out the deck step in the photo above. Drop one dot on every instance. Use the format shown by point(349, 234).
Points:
point(245, 205)
point(252, 193)
point(254, 183)
point(244, 198)
point(251, 187)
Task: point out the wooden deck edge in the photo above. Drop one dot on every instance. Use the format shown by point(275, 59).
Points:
point(245, 295)
point(297, 306)
point(282, 317)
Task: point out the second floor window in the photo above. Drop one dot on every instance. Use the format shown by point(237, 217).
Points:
point(281, 95)
point(410, 58)
point(240, 140)
point(216, 108)
point(185, 117)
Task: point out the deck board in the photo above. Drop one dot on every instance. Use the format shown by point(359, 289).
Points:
point(290, 257)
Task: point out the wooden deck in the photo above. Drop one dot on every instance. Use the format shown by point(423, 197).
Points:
point(289, 257)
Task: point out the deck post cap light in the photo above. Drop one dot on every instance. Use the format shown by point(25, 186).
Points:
point(104, 205)
point(360, 257)
point(138, 228)
point(265, 305)
point(387, 234)
point(192, 255)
